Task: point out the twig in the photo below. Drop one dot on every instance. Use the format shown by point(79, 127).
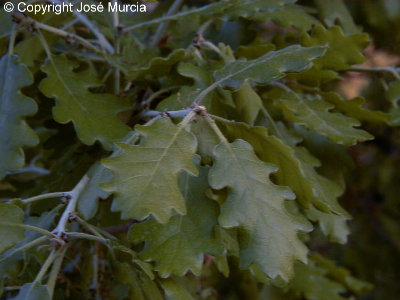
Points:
point(158, 93)
point(392, 70)
point(74, 195)
point(12, 40)
point(215, 128)
point(204, 27)
point(117, 50)
point(55, 269)
point(24, 20)
point(24, 247)
point(93, 229)
point(163, 25)
point(171, 17)
point(119, 228)
point(172, 114)
point(47, 196)
point(271, 121)
point(45, 266)
point(81, 235)
point(104, 43)
point(33, 228)
point(94, 286)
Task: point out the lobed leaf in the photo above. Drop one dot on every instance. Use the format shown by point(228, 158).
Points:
point(311, 282)
point(174, 290)
point(92, 192)
point(33, 291)
point(354, 108)
point(146, 175)
point(296, 166)
point(267, 232)
point(93, 115)
point(314, 113)
point(180, 245)
point(343, 51)
point(269, 67)
point(10, 233)
point(14, 106)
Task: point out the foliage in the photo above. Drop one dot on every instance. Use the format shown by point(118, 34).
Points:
point(201, 150)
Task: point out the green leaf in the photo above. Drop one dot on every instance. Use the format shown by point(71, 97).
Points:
point(174, 290)
point(335, 12)
point(90, 195)
point(314, 113)
point(311, 282)
point(93, 115)
point(157, 66)
point(333, 226)
point(206, 139)
point(10, 235)
point(202, 77)
point(140, 285)
point(33, 291)
point(14, 106)
point(6, 22)
point(138, 62)
point(146, 175)
point(342, 51)
point(256, 49)
point(296, 166)
point(342, 275)
point(292, 15)
point(269, 67)
point(259, 10)
point(248, 103)
point(393, 93)
point(180, 245)
point(354, 108)
point(267, 232)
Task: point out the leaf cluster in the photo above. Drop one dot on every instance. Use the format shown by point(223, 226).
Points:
point(198, 151)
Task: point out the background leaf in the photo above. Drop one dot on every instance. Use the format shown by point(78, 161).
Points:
point(93, 115)
point(10, 235)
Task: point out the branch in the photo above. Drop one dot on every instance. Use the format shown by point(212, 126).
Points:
point(86, 236)
point(47, 196)
point(172, 114)
point(45, 266)
point(33, 228)
point(25, 20)
point(93, 229)
point(162, 26)
point(55, 270)
point(117, 48)
point(85, 20)
point(24, 247)
point(392, 70)
point(74, 194)
point(172, 17)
